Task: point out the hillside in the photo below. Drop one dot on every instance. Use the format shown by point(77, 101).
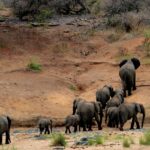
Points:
point(76, 57)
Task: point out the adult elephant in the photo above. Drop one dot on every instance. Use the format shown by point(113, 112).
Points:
point(87, 111)
point(129, 111)
point(116, 100)
point(104, 94)
point(5, 123)
point(127, 74)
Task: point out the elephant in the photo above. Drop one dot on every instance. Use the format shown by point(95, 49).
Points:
point(129, 111)
point(116, 100)
point(104, 94)
point(5, 124)
point(72, 120)
point(127, 74)
point(87, 111)
point(45, 124)
point(113, 117)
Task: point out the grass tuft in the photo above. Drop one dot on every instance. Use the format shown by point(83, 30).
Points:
point(58, 140)
point(126, 143)
point(145, 140)
point(34, 66)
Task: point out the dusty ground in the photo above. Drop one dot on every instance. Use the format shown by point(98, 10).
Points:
point(77, 58)
point(23, 139)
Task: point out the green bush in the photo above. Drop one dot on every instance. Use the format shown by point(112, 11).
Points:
point(147, 42)
point(43, 15)
point(91, 142)
point(126, 142)
point(145, 140)
point(58, 140)
point(99, 140)
point(34, 66)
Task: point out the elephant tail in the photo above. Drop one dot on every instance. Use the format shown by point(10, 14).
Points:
point(9, 122)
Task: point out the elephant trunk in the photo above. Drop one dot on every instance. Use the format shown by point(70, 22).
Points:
point(74, 110)
point(143, 118)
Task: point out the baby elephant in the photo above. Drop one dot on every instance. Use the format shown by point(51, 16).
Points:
point(45, 125)
point(72, 120)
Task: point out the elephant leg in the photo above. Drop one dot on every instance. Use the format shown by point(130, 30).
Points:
point(66, 130)
point(129, 91)
point(134, 83)
point(75, 128)
point(132, 123)
point(124, 88)
point(137, 123)
point(121, 126)
point(69, 129)
point(90, 125)
point(41, 130)
point(0, 139)
point(7, 137)
point(48, 131)
point(84, 128)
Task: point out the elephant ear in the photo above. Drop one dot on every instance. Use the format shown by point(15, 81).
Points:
point(136, 62)
point(122, 62)
point(138, 108)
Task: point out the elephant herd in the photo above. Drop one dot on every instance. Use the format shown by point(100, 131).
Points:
point(109, 103)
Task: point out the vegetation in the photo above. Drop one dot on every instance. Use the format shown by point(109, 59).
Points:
point(147, 42)
point(145, 140)
point(97, 140)
point(34, 66)
point(126, 142)
point(72, 87)
point(58, 140)
point(1, 5)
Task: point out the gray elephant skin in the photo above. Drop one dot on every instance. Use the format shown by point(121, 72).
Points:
point(5, 124)
point(112, 113)
point(104, 94)
point(45, 125)
point(72, 120)
point(129, 111)
point(87, 111)
point(116, 100)
point(127, 74)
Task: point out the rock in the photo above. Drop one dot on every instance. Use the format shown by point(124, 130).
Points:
point(58, 148)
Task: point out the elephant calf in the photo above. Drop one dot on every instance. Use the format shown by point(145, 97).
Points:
point(116, 100)
point(72, 120)
point(45, 125)
point(112, 113)
point(5, 124)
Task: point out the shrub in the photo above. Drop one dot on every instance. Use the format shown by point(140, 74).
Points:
point(113, 7)
point(94, 6)
point(147, 42)
point(58, 140)
point(1, 5)
point(45, 9)
point(126, 142)
point(99, 140)
point(145, 140)
point(34, 66)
